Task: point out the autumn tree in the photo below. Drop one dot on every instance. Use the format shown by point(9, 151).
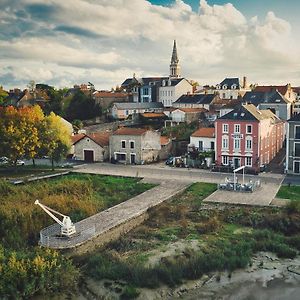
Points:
point(54, 137)
point(3, 95)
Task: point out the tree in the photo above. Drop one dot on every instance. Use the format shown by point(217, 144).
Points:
point(3, 95)
point(77, 125)
point(18, 132)
point(31, 86)
point(82, 107)
point(54, 138)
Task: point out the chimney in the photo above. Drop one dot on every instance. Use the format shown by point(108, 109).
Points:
point(245, 84)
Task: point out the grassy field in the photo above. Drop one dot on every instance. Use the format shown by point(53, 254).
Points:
point(24, 268)
point(184, 239)
point(291, 192)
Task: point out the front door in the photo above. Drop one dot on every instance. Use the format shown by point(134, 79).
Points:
point(237, 162)
point(88, 155)
point(212, 145)
point(132, 159)
point(297, 167)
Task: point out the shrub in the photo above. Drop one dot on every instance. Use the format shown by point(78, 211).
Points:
point(130, 292)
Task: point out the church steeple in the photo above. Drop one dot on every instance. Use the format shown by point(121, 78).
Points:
point(174, 66)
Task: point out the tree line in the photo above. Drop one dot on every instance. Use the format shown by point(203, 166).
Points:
point(29, 133)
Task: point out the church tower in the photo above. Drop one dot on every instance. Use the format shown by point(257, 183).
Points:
point(174, 66)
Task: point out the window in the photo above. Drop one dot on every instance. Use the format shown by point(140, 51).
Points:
point(200, 145)
point(225, 143)
point(225, 160)
point(249, 129)
point(131, 144)
point(237, 143)
point(225, 128)
point(297, 132)
point(120, 156)
point(248, 162)
point(123, 144)
point(237, 128)
point(146, 91)
point(248, 144)
point(297, 149)
point(224, 95)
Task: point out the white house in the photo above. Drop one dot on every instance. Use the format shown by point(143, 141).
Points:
point(230, 88)
point(203, 139)
point(172, 89)
point(187, 115)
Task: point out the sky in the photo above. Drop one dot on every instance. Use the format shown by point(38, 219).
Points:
point(62, 43)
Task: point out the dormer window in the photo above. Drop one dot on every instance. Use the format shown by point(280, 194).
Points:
point(163, 83)
point(233, 87)
point(224, 87)
point(218, 87)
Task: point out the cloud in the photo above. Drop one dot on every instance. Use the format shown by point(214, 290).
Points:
point(105, 41)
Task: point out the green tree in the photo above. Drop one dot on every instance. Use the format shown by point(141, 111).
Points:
point(82, 107)
point(3, 95)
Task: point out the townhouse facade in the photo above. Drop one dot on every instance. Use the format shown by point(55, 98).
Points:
point(293, 146)
point(248, 137)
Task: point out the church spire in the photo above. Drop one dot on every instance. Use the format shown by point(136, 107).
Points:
point(174, 66)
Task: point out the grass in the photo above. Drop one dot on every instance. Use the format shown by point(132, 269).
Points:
point(291, 192)
point(224, 239)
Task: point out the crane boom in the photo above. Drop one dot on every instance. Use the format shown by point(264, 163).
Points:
point(67, 227)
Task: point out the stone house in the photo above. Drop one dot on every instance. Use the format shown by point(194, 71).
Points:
point(106, 98)
point(293, 145)
point(187, 115)
point(121, 111)
point(196, 101)
point(203, 139)
point(92, 147)
point(134, 146)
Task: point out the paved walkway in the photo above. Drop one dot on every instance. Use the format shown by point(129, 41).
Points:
point(261, 197)
point(104, 221)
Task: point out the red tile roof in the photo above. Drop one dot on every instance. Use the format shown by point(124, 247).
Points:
point(130, 131)
point(107, 94)
point(100, 138)
point(282, 89)
point(164, 140)
point(204, 132)
point(153, 115)
point(191, 110)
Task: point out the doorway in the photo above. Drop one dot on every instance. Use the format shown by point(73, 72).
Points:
point(297, 167)
point(132, 159)
point(88, 155)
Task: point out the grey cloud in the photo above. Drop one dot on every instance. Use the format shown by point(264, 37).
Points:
point(41, 11)
point(77, 31)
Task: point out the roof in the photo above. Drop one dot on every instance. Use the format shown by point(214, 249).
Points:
point(143, 80)
point(100, 138)
point(196, 99)
point(257, 98)
point(153, 115)
point(230, 82)
point(204, 132)
point(108, 94)
point(130, 131)
point(137, 105)
point(164, 140)
point(270, 88)
point(192, 110)
point(295, 118)
point(247, 112)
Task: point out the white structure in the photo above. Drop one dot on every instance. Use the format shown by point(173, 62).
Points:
point(203, 139)
point(230, 88)
point(172, 89)
point(67, 227)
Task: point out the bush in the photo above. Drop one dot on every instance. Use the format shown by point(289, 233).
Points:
point(209, 226)
point(130, 292)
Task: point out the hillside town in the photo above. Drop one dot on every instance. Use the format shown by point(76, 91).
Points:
point(160, 188)
point(175, 119)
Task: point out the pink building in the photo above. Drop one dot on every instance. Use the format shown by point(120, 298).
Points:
point(248, 137)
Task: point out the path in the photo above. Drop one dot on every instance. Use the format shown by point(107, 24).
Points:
point(101, 223)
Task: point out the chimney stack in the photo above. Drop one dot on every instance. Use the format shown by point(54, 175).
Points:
point(245, 84)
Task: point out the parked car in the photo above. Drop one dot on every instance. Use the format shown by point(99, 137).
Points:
point(3, 161)
point(169, 161)
point(20, 162)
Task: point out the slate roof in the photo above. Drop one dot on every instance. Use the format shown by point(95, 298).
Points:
point(246, 112)
point(204, 132)
point(196, 99)
point(192, 110)
point(130, 131)
point(148, 80)
point(231, 81)
point(257, 98)
point(138, 105)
